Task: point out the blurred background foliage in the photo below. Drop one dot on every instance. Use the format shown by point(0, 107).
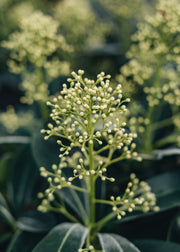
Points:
point(41, 42)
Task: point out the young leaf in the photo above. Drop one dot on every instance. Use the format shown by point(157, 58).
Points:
point(36, 222)
point(65, 237)
point(116, 243)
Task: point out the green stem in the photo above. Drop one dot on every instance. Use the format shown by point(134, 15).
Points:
point(77, 188)
point(92, 185)
point(103, 201)
point(106, 219)
point(42, 105)
point(148, 136)
point(63, 211)
point(115, 160)
point(164, 123)
point(43, 110)
point(148, 132)
point(102, 149)
point(103, 221)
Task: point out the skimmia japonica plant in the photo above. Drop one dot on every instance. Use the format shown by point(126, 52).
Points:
point(86, 124)
point(153, 69)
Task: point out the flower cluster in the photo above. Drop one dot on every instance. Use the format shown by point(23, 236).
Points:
point(35, 53)
point(80, 23)
point(125, 17)
point(12, 120)
point(85, 116)
point(152, 69)
point(155, 54)
point(137, 197)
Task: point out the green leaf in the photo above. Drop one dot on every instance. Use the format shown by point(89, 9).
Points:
point(66, 237)
point(23, 241)
point(23, 178)
point(5, 213)
point(157, 246)
point(167, 189)
point(36, 222)
point(5, 167)
point(167, 181)
point(174, 229)
point(116, 243)
point(15, 140)
point(170, 139)
point(5, 237)
point(71, 197)
point(160, 154)
point(45, 152)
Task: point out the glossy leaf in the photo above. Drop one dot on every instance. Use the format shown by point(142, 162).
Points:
point(174, 229)
point(116, 243)
point(167, 189)
point(165, 182)
point(5, 167)
point(36, 222)
point(23, 178)
point(170, 139)
point(5, 213)
point(159, 154)
point(45, 152)
point(15, 140)
point(23, 241)
point(71, 197)
point(65, 237)
point(157, 246)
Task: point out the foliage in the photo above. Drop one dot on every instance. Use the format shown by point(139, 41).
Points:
point(153, 68)
point(77, 112)
point(32, 48)
point(81, 171)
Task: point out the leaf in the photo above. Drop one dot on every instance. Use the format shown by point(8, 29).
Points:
point(174, 229)
point(23, 178)
point(45, 152)
point(15, 140)
point(160, 154)
point(116, 243)
point(167, 189)
point(157, 246)
point(5, 237)
point(65, 237)
point(5, 213)
point(153, 226)
point(23, 241)
point(5, 167)
point(167, 181)
point(36, 222)
point(71, 198)
point(170, 139)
